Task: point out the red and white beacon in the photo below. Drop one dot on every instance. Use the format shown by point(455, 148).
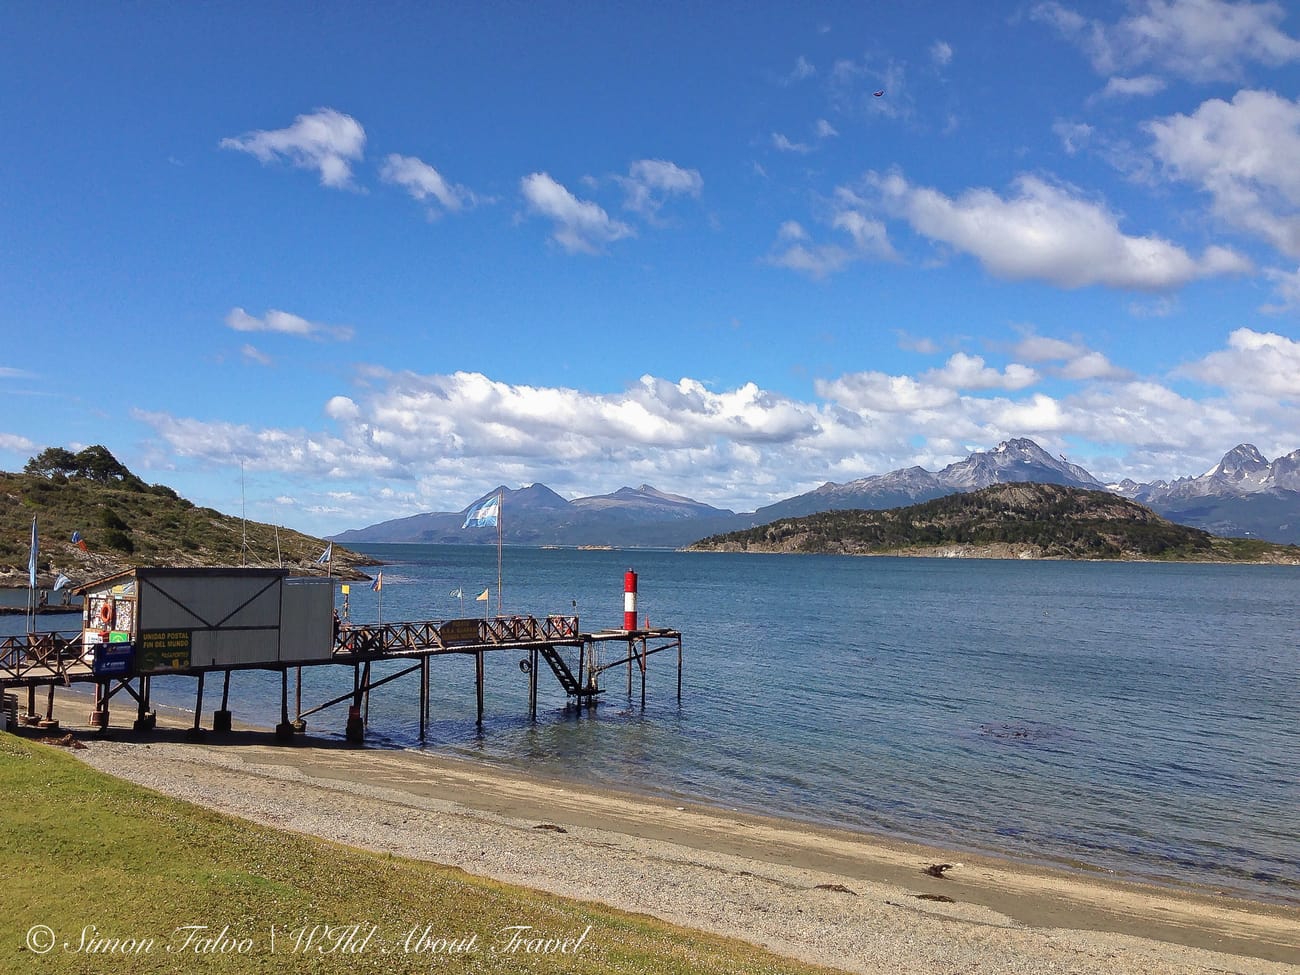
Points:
point(629, 600)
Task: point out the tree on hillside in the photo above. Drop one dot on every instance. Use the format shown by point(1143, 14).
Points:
point(95, 463)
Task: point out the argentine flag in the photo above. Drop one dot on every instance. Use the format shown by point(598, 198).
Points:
point(484, 514)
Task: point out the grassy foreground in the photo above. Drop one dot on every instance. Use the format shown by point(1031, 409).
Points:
point(99, 874)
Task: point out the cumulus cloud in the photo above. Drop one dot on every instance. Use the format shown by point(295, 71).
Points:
point(1258, 363)
point(1043, 231)
point(404, 442)
point(1069, 360)
point(941, 53)
point(16, 443)
point(651, 182)
point(1243, 154)
point(963, 371)
point(325, 140)
point(580, 226)
point(1200, 40)
point(286, 324)
point(424, 183)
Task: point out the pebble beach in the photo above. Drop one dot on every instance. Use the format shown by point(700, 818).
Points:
point(844, 900)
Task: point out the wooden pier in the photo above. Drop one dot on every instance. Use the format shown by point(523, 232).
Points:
point(577, 659)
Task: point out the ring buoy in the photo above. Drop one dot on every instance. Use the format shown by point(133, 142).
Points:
point(107, 611)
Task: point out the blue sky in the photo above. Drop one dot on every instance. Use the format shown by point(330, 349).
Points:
point(388, 256)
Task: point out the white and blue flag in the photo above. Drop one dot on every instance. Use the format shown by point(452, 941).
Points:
point(326, 555)
point(36, 548)
point(484, 514)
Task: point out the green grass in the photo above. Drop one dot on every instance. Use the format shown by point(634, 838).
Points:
point(82, 848)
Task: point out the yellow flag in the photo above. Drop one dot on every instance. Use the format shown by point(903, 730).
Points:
point(481, 597)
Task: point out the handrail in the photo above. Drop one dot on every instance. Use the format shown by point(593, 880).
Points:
point(22, 656)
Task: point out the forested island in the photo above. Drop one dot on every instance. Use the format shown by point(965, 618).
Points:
point(1017, 520)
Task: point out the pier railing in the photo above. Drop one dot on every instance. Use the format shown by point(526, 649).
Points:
point(39, 656)
point(397, 639)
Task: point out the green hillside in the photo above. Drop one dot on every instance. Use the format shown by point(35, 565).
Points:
point(126, 522)
point(1007, 521)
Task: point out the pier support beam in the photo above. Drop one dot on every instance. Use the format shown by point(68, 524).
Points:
point(221, 719)
point(145, 720)
point(99, 716)
point(532, 683)
point(478, 683)
point(196, 733)
point(49, 724)
point(284, 730)
point(424, 697)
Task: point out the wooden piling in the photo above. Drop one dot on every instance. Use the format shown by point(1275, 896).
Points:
point(478, 683)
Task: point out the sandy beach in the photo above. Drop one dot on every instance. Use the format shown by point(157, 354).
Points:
point(840, 899)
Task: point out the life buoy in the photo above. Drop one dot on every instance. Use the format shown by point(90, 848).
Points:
point(108, 611)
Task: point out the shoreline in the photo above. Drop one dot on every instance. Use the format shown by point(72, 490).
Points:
point(745, 875)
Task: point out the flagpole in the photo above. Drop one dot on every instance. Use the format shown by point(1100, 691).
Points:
point(31, 581)
point(501, 498)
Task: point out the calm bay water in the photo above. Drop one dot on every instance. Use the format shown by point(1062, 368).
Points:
point(1138, 718)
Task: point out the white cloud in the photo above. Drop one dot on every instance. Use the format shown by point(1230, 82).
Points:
point(286, 324)
point(1244, 154)
point(802, 70)
point(326, 140)
point(825, 130)
point(424, 182)
point(1047, 232)
point(650, 182)
point(785, 145)
point(847, 214)
point(1073, 135)
point(941, 53)
point(408, 442)
point(1074, 361)
point(9, 372)
point(1287, 286)
point(251, 353)
point(1200, 40)
point(16, 443)
point(963, 371)
point(1255, 363)
point(1139, 87)
point(580, 225)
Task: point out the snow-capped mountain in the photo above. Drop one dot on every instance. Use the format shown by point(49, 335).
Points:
point(1242, 471)
point(1016, 460)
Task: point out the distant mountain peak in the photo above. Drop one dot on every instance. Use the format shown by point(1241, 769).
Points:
point(1241, 461)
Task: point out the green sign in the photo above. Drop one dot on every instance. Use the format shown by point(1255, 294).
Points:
point(164, 650)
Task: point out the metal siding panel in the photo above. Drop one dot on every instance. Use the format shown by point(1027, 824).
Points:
point(307, 627)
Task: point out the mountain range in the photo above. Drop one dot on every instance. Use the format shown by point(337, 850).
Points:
point(1244, 495)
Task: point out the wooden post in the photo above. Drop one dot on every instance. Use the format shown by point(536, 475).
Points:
point(31, 702)
point(365, 701)
point(679, 670)
point(478, 682)
point(424, 696)
point(197, 730)
point(645, 656)
point(49, 707)
point(532, 683)
point(284, 730)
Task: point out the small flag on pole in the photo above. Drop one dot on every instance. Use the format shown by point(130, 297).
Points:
point(326, 555)
point(481, 597)
point(60, 582)
point(458, 593)
point(345, 588)
point(378, 584)
point(484, 514)
point(31, 559)
point(78, 541)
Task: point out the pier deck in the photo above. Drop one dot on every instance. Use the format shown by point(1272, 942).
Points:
point(51, 660)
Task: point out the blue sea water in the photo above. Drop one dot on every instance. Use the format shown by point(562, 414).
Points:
point(1130, 717)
